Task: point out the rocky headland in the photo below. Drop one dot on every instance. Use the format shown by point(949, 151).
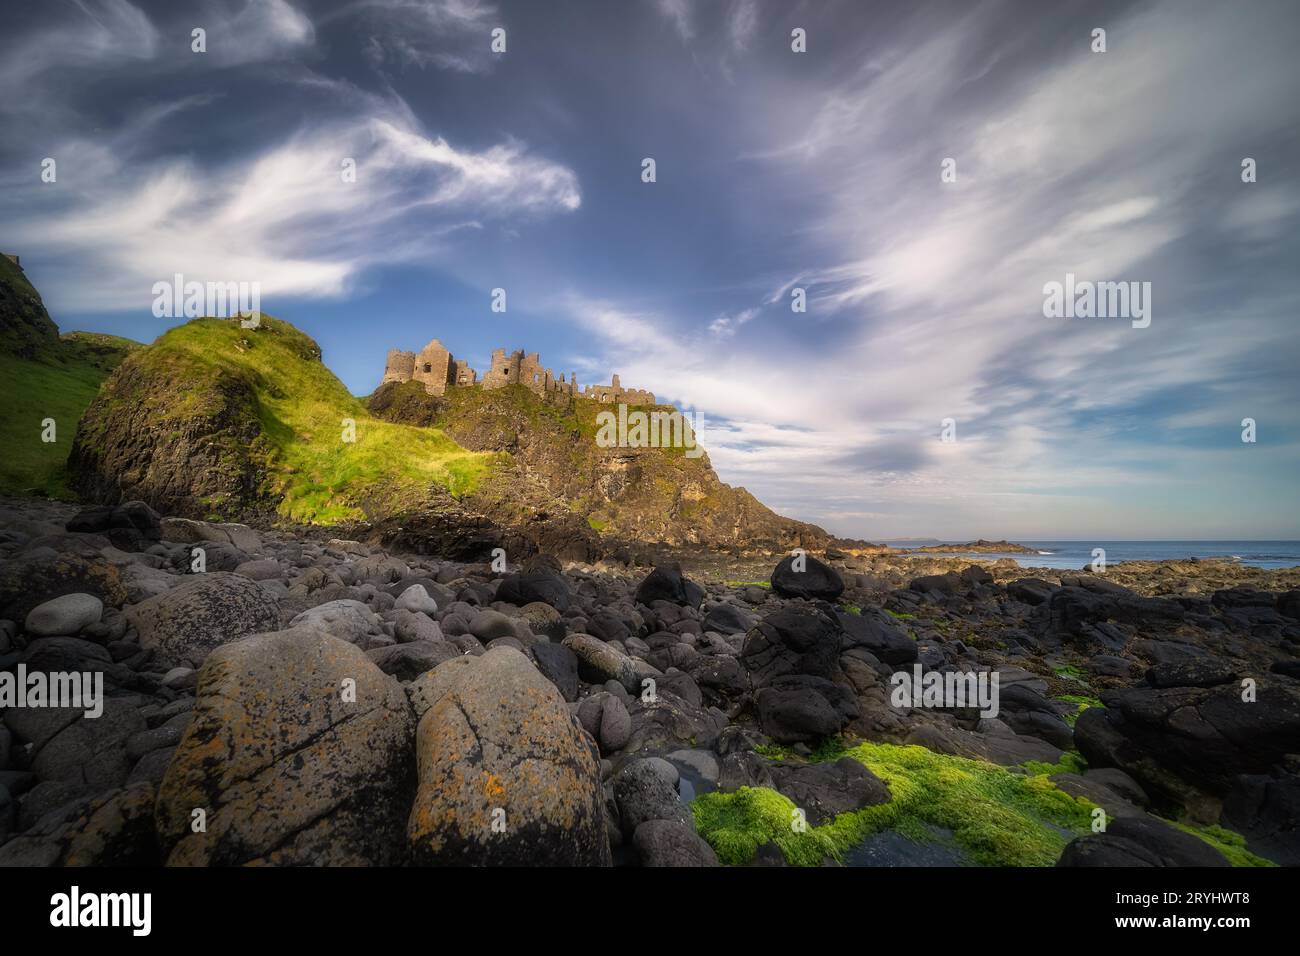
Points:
point(288, 696)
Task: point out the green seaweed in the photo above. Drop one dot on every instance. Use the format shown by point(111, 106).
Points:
point(1228, 842)
point(1071, 762)
point(1081, 703)
point(998, 817)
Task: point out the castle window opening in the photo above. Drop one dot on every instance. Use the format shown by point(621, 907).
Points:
point(428, 367)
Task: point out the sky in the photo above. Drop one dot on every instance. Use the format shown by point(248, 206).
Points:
point(775, 171)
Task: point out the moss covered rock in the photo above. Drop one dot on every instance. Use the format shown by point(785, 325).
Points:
point(996, 816)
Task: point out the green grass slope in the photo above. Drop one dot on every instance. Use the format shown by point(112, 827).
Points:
point(44, 376)
point(214, 419)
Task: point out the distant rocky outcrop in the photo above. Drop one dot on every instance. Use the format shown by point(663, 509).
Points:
point(975, 547)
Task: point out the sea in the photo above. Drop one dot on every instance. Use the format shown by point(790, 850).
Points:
point(1074, 555)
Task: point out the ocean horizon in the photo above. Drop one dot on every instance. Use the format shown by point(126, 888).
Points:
point(1075, 554)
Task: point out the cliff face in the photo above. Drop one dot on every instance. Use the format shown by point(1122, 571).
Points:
point(26, 329)
point(656, 495)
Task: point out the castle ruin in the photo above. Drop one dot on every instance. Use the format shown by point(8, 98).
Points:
point(437, 370)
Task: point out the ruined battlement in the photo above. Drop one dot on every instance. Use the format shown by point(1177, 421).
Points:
point(438, 370)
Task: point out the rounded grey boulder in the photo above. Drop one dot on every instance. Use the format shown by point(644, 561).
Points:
point(64, 616)
point(199, 615)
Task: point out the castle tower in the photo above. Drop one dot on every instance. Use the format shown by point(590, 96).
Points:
point(399, 367)
point(434, 367)
point(462, 374)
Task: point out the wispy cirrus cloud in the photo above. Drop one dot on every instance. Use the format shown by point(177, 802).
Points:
point(1112, 166)
point(443, 34)
point(284, 217)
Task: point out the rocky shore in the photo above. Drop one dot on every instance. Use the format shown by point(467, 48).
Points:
point(292, 698)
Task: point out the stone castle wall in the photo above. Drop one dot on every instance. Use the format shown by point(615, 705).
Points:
point(437, 370)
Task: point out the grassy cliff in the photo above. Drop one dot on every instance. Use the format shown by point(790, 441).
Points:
point(46, 377)
point(218, 420)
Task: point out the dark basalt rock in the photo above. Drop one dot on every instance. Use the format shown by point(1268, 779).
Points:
point(1241, 597)
point(1140, 841)
point(1030, 591)
point(1204, 736)
point(877, 632)
point(667, 583)
point(1265, 809)
point(1288, 604)
point(1199, 672)
point(948, 583)
point(727, 619)
point(669, 843)
point(801, 708)
point(815, 581)
point(825, 790)
point(541, 584)
point(131, 526)
point(559, 665)
point(793, 640)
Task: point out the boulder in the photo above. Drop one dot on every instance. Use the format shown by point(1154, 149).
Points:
point(186, 531)
point(1031, 591)
point(644, 793)
point(815, 580)
point(131, 526)
point(825, 790)
point(1265, 809)
point(793, 640)
point(299, 751)
point(345, 619)
point(665, 722)
point(416, 598)
point(1140, 841)
point(202, 613)
point(64, 615)
point(31, 580)
point(728, 619)
point(667, 583)
point(1196, 672)
point(261, 569)
point(1205, 736)
point(599, 662)
point(605, 717)
point(408, 661)
point(799, 708)
point(111, 829)
point(89, 751)
point(670, 843)
point(540, 584)
point(559, 665)
point(877, 632)
point(941, 584)
point(506, 776)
